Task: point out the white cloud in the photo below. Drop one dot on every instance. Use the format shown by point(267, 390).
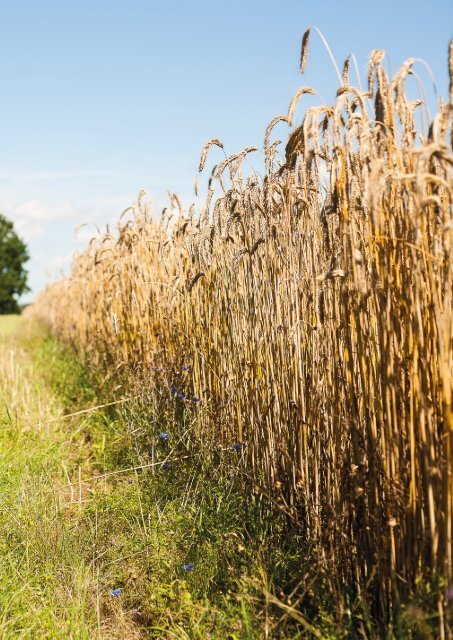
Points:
point(31, 217)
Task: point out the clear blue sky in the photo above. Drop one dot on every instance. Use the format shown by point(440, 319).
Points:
point(100, 99)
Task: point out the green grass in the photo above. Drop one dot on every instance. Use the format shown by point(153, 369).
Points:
point(45, 577)
point(65, 544)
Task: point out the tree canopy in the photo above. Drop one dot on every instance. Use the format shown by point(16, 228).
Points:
point(13, 276)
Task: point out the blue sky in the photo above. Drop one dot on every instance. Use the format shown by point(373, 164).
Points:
point(100, 99)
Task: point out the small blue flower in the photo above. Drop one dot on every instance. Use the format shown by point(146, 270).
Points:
point(236, 447)
point(186, 368)
point(181, 396)
point(115, 592)
point(195, 399)
point(157, 334)
point(164, 436)
point(188, 567)
point(174, 389)
point(166, 466)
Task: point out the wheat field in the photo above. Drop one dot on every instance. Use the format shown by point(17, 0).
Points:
point(304, 312)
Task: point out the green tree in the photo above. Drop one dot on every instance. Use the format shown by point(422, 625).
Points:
point(13, 276)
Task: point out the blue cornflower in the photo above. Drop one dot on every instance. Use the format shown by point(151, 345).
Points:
point(166, 466)
point(164, 436)
point(174, 389)
point(195, 399)
point(181, 396)
point(236, 447)
point(115, 592)
point(188, 567)
point(186, 368)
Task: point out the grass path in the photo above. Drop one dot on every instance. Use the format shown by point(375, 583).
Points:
point(50, 587)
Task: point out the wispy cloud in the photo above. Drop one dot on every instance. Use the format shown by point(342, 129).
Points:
point(30, 217)
point(35, 217)
point(38, 176)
